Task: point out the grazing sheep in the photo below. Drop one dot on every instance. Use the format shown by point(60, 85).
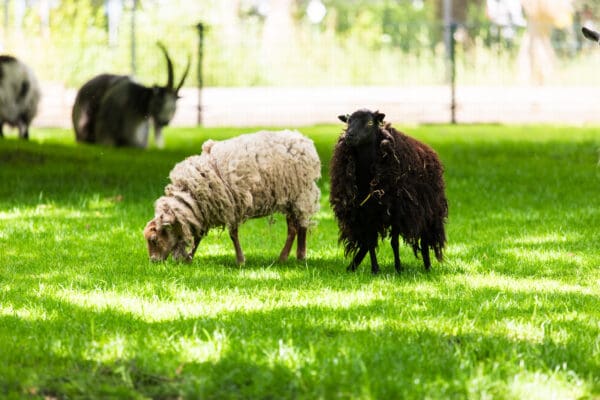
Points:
point(384, 183)
point(115, 110)
point(231, 181)
point(19, 95)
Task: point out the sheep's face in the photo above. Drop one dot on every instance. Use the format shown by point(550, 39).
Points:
point(162, 240)
point(362, 126)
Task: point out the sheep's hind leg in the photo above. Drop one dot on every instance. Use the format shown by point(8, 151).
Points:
point(239, 254)
point(395, 249)
point(291, 235)
point(301, 244)
point(425, 253)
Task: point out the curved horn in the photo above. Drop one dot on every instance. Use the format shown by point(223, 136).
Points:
point(169, 65)
point(185, 73)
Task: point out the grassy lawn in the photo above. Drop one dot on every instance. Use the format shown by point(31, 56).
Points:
point(513, 312)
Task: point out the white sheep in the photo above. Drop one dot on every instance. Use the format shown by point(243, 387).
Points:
point(19, 95)
point(249, 176)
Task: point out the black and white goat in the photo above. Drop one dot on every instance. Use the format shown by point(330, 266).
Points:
point(19, 95)
point(114, 110)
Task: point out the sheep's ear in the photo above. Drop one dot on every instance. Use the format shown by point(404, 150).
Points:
point(379, 117)
point(590, 34)
point(343, 118)
point(150, 229)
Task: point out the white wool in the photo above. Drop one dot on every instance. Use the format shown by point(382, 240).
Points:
point(249, 176)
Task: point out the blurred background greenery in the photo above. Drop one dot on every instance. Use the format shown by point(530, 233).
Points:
point(289, 42)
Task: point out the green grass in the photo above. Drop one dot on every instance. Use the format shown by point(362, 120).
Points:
point(513, 312)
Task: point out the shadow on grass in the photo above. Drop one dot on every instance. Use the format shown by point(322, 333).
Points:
point(314, 349)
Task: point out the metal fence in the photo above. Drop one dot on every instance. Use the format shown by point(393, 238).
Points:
point(313, 76)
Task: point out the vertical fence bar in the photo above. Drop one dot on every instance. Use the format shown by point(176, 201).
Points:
point(6, 20)
point(449, 44)
point(133, 44)
point(200, 76)
point(453, 27)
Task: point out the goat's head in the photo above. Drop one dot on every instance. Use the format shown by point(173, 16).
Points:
point(590, 34)
point(164, 99)
point(362, 126)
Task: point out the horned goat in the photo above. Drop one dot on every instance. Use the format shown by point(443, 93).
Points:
point(19, 95)
point(115, 110)
point(249, 176)
point(384, 183)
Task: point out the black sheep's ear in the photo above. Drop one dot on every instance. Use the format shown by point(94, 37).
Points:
point(379, 117)
point(343, 118)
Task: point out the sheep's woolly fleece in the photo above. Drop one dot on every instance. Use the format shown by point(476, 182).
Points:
point(249, 176)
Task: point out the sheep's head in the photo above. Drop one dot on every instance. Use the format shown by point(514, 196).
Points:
point(362, 126)
point(164, 237)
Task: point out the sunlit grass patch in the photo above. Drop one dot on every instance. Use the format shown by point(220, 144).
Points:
point(512, 312)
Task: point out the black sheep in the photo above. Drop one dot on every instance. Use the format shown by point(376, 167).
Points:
point(384, 183)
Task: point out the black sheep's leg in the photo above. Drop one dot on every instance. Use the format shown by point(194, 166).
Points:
point(425, 253)
point(374, 263)
point(362, 252)
point(395, 249)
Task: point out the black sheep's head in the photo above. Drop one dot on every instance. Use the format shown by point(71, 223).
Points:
point(362, 126)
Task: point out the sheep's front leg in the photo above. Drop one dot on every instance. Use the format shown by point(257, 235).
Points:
point(190, 256)
point(395, 249)
point(358, 257)
point(291, 235)
point(239, 254)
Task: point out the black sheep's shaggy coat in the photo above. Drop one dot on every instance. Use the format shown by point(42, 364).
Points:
point(392, 186)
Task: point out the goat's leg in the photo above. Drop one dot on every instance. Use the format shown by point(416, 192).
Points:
point(395, 249)
point(239, 254)
point(23, 130)
point(358, 257)
point(425, 253)
point(1, 129)
point(301, 243)
point(159, 140)
point(374, 263)
point(291, 235)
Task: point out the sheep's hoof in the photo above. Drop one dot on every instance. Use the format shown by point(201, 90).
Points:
point(375, 271)
point(351, 268)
